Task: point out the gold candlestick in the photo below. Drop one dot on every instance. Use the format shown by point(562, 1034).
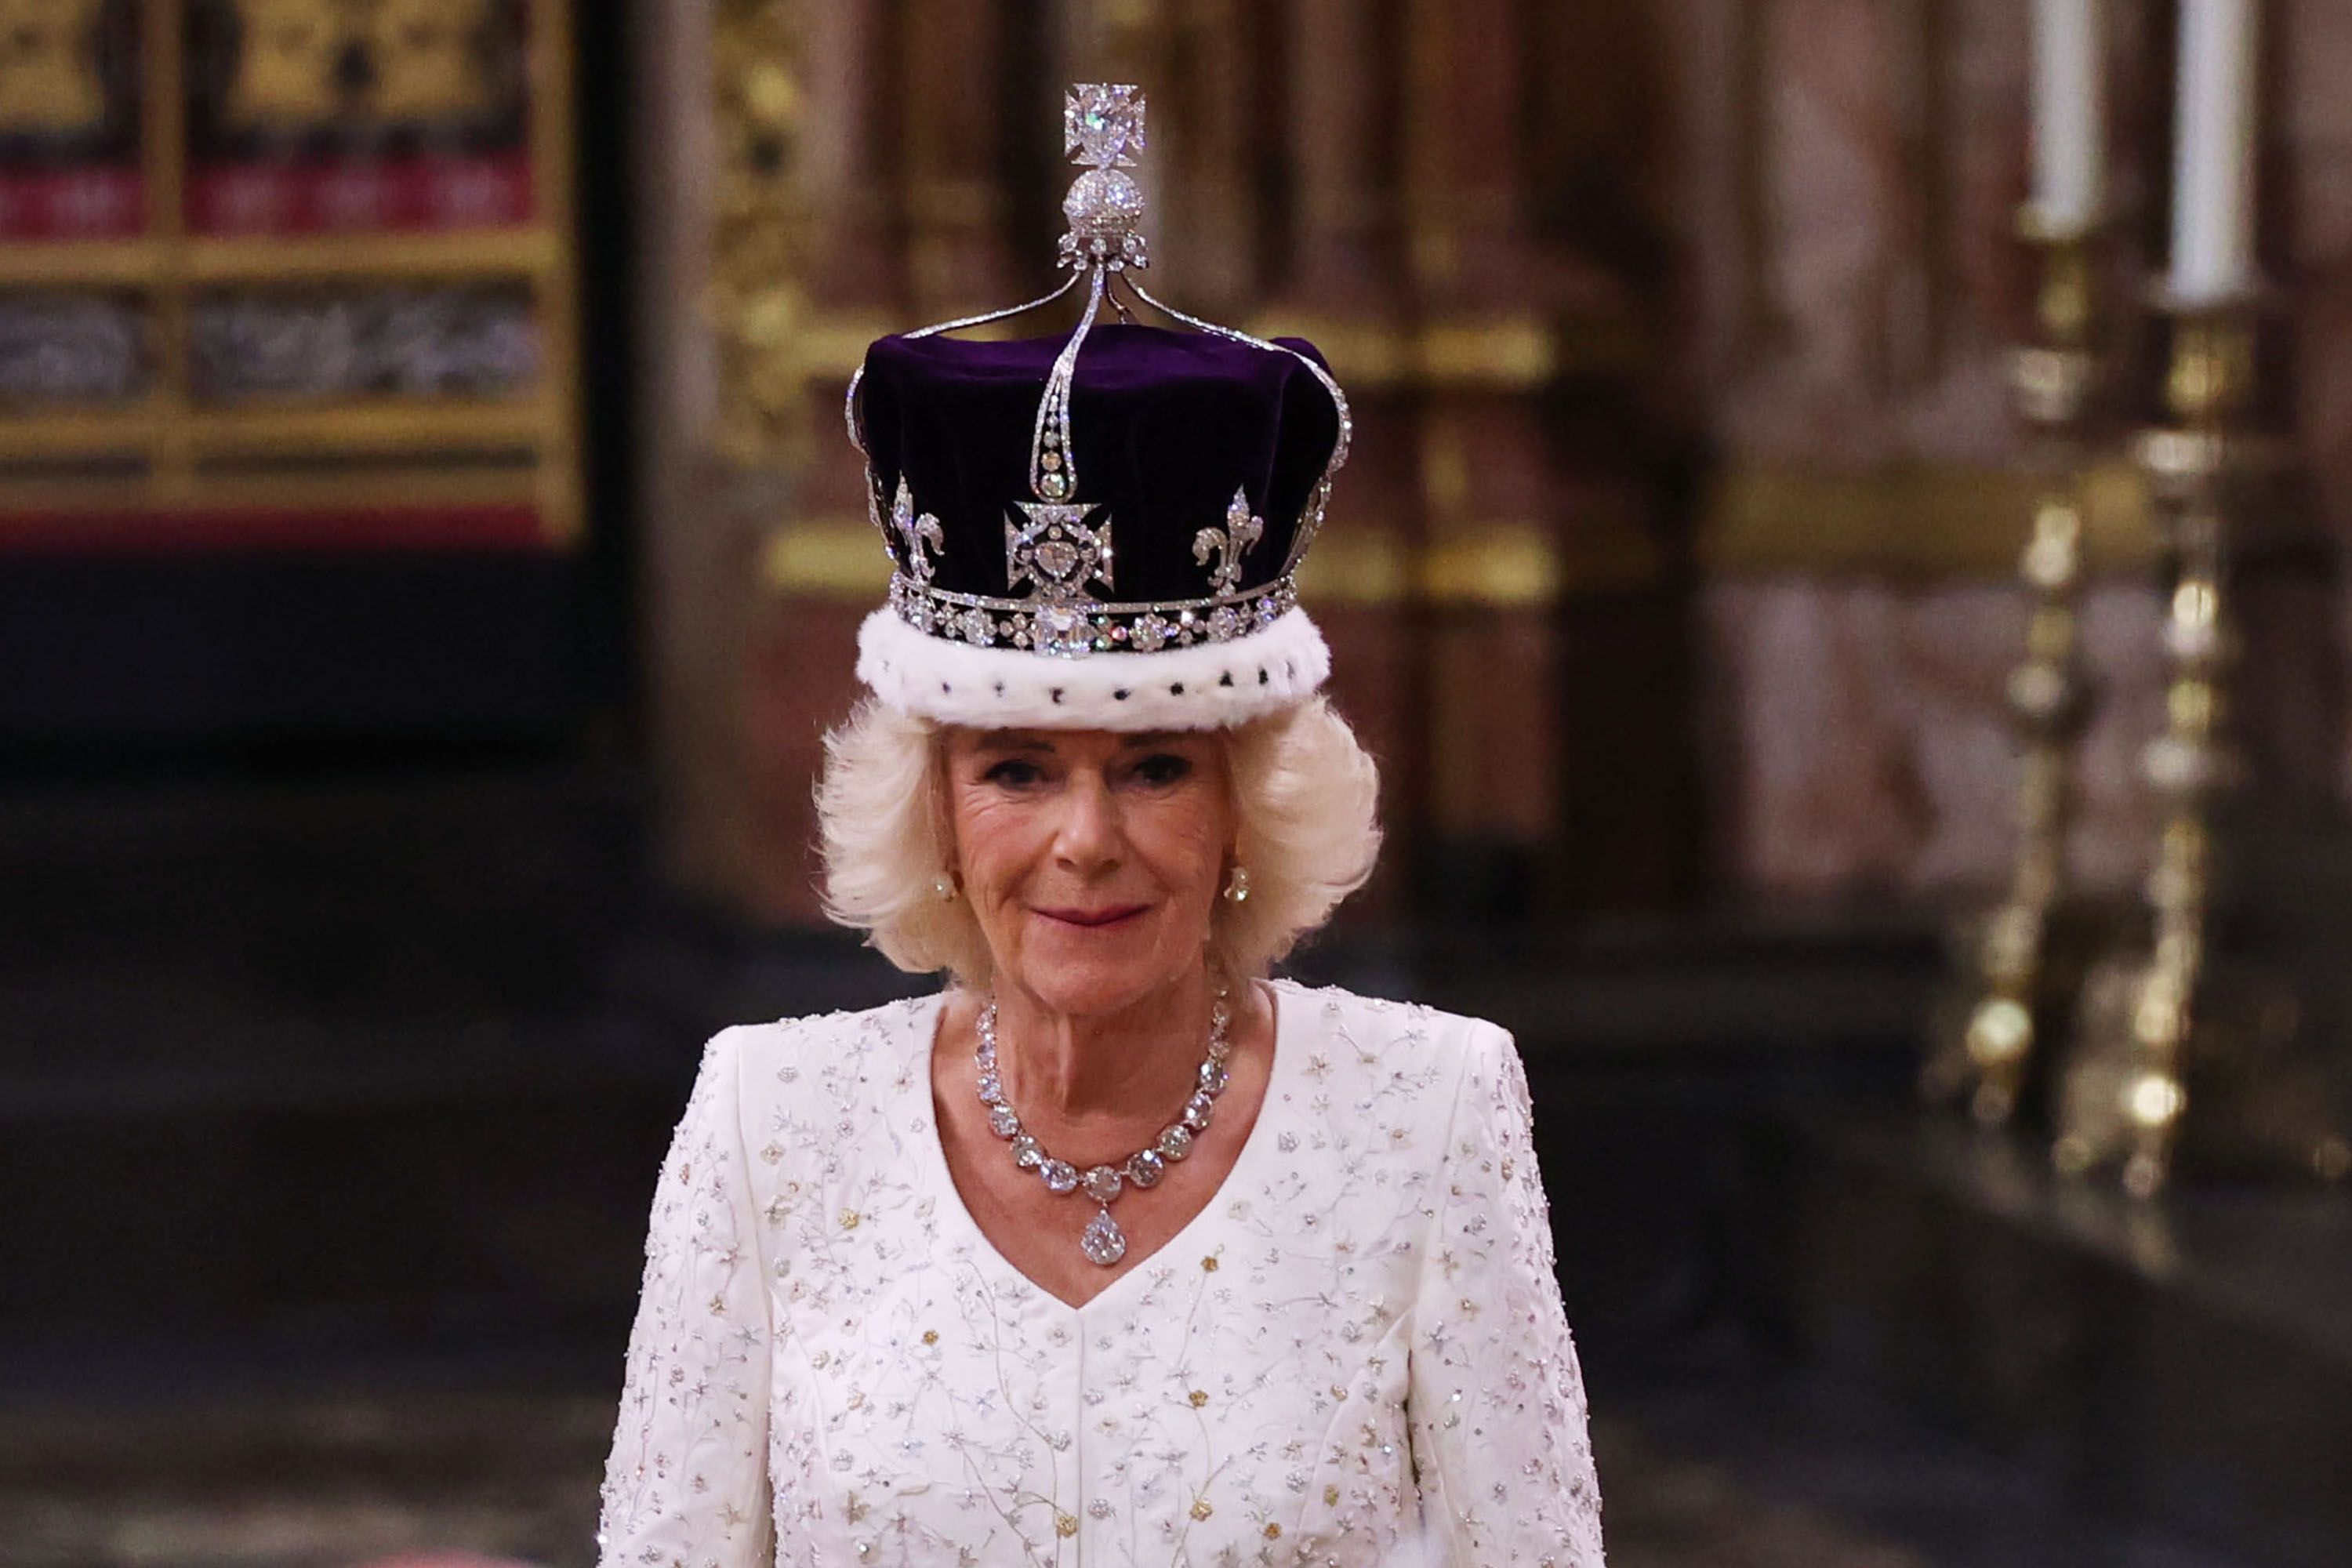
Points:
point(2163, 1029)
point(1996, 1028)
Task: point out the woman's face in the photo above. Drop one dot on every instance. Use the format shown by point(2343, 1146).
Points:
point(1093, 860)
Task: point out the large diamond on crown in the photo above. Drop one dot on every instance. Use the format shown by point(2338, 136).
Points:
point(1054, 550)
point(1102, 124)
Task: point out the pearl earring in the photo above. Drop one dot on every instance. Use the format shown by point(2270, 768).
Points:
point(1237, 885)
point(944, 885)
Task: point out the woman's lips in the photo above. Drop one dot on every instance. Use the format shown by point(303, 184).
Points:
point(1092, 919)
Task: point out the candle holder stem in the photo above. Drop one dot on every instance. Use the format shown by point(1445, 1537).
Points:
point(2126, 1090)
point(1993, 1032)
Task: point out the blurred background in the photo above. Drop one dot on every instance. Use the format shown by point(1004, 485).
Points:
point(429, 555)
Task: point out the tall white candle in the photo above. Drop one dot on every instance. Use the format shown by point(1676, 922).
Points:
point(2069, 113)
point(2213, 152)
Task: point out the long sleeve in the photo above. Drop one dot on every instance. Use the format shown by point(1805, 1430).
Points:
point(1497, 1399)
point(686, 1485)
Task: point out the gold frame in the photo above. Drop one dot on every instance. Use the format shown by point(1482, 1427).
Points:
point(177, 440)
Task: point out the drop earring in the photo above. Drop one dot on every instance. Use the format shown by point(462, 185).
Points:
point(1237, 884)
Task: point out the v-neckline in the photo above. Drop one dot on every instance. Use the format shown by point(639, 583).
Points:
point(949, 1197)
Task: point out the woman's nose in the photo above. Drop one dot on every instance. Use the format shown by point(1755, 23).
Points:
point(1089, 835)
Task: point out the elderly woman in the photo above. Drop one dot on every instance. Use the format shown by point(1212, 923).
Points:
point(1114, 1250)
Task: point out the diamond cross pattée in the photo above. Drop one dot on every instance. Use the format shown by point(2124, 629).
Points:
point(1054, 550)
point(1102, 124)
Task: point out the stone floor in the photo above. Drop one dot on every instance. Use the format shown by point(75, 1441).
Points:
point(1750, 1469)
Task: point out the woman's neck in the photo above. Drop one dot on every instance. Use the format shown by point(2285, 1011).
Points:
point(1107, 1069)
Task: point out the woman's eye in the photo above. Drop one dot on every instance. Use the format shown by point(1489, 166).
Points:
point(1013, 774)
point(1165, 768)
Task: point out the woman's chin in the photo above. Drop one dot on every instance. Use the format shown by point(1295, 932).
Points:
point(1093, 969)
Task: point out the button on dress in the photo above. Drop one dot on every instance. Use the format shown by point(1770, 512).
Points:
point(1354, 1355)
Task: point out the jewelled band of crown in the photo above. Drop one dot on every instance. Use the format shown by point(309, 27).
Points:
point(1079, 626)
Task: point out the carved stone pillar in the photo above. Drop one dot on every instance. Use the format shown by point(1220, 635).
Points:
point(1340, 129)
point(1462, 195)
point(846, 162)
point(950, 85)
point(694, 551)
point(1341, 285)
point(1485, 546)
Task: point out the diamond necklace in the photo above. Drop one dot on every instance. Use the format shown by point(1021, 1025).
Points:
point(1103, 1242)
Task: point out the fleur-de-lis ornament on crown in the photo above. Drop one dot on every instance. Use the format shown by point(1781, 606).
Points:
point(915, 533)
point(1241, 531)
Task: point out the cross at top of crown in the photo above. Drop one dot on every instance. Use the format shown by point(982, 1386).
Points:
point(1102, 122)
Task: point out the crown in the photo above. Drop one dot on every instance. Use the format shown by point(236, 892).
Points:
point(1100, 529)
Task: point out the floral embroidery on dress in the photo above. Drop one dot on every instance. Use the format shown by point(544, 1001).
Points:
point(1355, 1355)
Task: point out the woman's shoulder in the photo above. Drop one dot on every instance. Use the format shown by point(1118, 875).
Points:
point(1393, 1033)
point(832, 1045)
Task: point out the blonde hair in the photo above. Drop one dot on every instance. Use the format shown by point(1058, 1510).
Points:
point(1306, 797)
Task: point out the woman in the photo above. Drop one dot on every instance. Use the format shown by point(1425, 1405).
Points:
point(1113, 1251)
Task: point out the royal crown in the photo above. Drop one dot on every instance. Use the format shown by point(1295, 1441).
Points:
point(1130, 491)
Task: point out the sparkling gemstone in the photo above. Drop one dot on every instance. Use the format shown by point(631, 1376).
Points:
point(1053, 487)
point(992, 1088)
point(1060, 630)
point(1026, 1153)
point(1101, 1184)
point(1002, 1122)
point(1145, 1168)
point(1102, 124)
point(1103, 1242)
point(1198, 1109)
point(1059, 557)
point(1175, 1142)
point(1213, 1076)
point(1220, 1048)
point(1060, 1175)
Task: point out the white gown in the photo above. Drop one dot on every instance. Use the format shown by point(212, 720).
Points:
point(1354, 1355)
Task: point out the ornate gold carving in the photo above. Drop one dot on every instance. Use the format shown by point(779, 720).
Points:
point(48, 72)
point(427, 60)
point(287, 63)
point(757, 301)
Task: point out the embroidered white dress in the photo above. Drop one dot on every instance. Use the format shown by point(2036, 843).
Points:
point(1354, 1355)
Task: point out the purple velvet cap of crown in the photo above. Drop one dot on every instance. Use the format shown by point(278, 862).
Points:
point(1166, 425)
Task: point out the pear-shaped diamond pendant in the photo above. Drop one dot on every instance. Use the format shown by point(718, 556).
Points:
point(1104, 1242)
